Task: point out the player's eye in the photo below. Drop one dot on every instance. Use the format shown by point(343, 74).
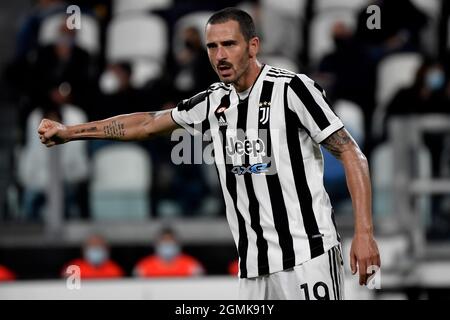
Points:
point(229, 43)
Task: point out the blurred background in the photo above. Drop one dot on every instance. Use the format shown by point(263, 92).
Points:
point(139, 226)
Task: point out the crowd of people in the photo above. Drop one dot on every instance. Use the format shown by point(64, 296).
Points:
point(64, 81)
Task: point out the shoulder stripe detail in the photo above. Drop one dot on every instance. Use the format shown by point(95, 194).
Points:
point(311, 105)
point(279, 76)
point(217, 86)
point(281, 71)
point(188, 104)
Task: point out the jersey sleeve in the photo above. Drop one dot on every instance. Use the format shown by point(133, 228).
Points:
point(192, 113)
point(308, 101)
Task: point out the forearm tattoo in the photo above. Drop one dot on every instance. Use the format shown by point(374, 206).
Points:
point(114, 130)
point(91, 129)
point(338, 142)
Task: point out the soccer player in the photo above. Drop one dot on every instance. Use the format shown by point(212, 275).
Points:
point(266, 125)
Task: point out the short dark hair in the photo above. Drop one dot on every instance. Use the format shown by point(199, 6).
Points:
point(245, 21)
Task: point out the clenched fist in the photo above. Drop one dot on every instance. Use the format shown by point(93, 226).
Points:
point(52, 133)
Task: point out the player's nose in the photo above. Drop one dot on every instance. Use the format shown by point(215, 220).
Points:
point(221, 54)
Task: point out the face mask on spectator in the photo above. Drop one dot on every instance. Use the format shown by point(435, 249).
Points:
point(167, 250)
point(96, 255)
point(109, 82)
point(435, 79)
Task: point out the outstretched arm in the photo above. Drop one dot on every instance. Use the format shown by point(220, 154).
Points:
point(364, 251)
point(126, 127)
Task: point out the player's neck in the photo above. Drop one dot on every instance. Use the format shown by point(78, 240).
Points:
point(249, 77)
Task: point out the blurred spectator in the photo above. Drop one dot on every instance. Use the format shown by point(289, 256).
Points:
point(75, 165)
point(96, 263)
point(62, 73)
point(429, 94)
point(401, 25)
point(6, 274)
point(348, 73)
point(27, 44)
point(169, 260)
point(193, 72)
point(27, 36)
point(118, 96)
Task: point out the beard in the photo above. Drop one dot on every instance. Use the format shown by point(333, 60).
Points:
point(241, 68)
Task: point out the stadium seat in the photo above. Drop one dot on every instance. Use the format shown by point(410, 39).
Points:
point(197, 20)
point(352, 117)
point(394, 72)
point(321, 41)
point(121, 180)
point(280, 25)
point(354, 5)
point(288, 7)
point(87, 36)
point(140, 40)
point(139, 6)
point(432, 8)
point(382, 172)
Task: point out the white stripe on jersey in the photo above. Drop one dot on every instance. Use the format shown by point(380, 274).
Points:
point(277, 207)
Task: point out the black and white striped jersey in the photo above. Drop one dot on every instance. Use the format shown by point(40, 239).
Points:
point(270, 166)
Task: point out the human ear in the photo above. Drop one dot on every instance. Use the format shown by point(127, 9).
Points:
point(253, 47)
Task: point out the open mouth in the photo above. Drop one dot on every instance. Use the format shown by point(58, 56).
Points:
point(224, 70)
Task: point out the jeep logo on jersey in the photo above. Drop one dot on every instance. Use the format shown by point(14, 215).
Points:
point(249, 147)
point(264, 112)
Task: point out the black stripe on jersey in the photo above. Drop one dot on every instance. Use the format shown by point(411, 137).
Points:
point(205, 123)
point(279, 211)
point(330, 261)
point(324, 96)
point(301, 184)
point(334, 224)
point(311, 105)
point(319, 87)
point(192, 102)
point(336, 275)
point(253, 206)
point(230, 182)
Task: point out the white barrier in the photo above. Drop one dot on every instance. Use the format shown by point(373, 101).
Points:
point(204, 288)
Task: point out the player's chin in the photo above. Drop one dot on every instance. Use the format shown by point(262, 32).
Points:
point(226, 80)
